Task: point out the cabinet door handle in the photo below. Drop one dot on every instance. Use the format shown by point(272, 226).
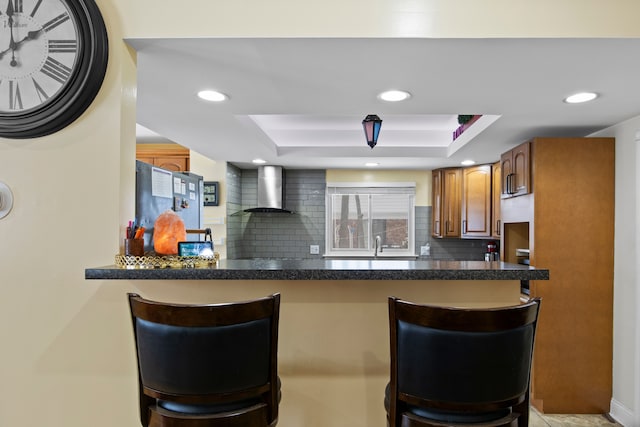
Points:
point(498, 227)
point(510, 183)
point(464, 226)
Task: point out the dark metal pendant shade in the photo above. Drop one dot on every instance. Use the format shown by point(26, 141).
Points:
point(372, 124)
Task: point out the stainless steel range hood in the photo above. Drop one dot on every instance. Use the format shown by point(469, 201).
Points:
point(271, 187)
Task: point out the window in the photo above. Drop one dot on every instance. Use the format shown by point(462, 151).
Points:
point(357, 215)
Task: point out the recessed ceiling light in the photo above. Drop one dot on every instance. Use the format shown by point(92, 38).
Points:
point(577, 98)
point(467, 162)
point(259, 161)
point(372, 164)
point(394, 95)
point(212, 95)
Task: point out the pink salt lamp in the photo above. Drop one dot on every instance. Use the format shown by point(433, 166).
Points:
point(167, 232)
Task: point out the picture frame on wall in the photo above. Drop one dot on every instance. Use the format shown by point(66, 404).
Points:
point(210, 193)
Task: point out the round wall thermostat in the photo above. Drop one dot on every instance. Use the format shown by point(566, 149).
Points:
point(6, 200)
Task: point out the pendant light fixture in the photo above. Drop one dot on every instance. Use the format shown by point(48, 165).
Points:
point(372, 124)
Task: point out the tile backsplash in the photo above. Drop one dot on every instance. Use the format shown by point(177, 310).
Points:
point(281, 235)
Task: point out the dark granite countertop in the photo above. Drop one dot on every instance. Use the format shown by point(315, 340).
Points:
point(329, 270)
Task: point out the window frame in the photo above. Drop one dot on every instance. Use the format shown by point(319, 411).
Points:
point(350, 188)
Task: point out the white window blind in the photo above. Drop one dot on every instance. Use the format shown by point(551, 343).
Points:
point(358, 214)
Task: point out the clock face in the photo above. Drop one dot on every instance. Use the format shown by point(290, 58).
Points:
point(53, 60)
point(39, 47)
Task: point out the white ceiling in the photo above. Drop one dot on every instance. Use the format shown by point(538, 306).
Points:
point(299, 103)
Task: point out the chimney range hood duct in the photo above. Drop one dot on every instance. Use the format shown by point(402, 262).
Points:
point(270, 190)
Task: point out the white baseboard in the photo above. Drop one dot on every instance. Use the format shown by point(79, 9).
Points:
point(622, 414)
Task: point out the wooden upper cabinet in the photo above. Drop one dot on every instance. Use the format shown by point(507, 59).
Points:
point(496, 190)
point(180, 164)
point(476, 201)
point(516, 171)
point(451, 196)
point(436, 203)
point(172, 157)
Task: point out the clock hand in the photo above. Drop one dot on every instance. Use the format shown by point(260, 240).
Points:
point(4, 51)
point(31, 35)
point(13, 62)
point(12, 46)
point(12, 43)
point(10, 9)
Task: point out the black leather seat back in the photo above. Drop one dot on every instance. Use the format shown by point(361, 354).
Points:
point(207, 364)
point(464, 367)
point(459, 366)
point(203, 359)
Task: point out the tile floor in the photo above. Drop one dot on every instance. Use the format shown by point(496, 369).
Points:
point(536, 419)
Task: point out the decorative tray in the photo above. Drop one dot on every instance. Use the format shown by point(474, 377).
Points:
point(173, 261)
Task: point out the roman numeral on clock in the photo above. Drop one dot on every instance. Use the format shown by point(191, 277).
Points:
point(41, 93)
point(55, 22)
point(35, 8)
point(15, 100)
point(17, 6)
point(63, 46)
point(56, 70)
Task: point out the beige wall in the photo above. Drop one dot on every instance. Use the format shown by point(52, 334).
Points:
point(333, 338)
point(67, 355)
point(626, 337)
point(395, 18)
point(422, 180)
point(214, 217)
point(63, 339)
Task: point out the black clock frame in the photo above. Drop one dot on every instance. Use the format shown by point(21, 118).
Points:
point(81, 89)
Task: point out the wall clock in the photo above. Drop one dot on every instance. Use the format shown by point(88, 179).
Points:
point(53, 59)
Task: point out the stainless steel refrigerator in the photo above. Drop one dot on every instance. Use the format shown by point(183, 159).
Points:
point(158, 190)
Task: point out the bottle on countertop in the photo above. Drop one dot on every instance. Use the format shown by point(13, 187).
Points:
point(492, 253)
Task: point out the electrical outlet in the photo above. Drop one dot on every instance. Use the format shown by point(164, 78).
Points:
point(425, 250)
point(314, 249)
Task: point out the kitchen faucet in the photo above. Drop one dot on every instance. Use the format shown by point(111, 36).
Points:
point(377, 246)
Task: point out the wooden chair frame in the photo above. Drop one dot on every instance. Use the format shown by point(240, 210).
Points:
point(456, 319)
point(262, 414)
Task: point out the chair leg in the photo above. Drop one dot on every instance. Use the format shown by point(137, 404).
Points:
point(523, 409)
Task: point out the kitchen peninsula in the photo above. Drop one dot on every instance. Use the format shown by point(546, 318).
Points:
point(334, 331)
point(335, 269)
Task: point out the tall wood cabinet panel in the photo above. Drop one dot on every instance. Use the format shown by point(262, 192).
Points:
point(451, 193)
point(447, 191)
point(515, 169)
point(172, 157)
point(496, 191)
point(436, 204)
point(476, 201)
point(571, 228)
